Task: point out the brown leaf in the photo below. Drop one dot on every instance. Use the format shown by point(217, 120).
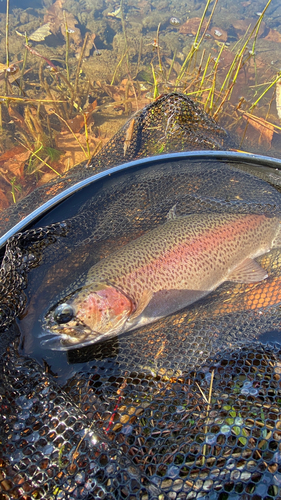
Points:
point(218, 34)
point(10, 153)
point(73, 151)
point(4, 202)
point(55, 18)
point(89, 45)
point(17, 118)
point(265, 128)
point(191, 26)
point(78, 122)
point(242, 25)
point(14, 160)
point(273, 36)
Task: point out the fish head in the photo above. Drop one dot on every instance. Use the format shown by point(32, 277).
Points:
point(92, 313)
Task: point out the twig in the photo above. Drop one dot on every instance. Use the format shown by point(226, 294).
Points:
point(87, 135)
point(155, 92)
point(120, 393)
point(207, 422)
point(7, 33)
point(158, 48)
point(119, 64)
point(66, 45)
point(127, 53)
point(38, 158)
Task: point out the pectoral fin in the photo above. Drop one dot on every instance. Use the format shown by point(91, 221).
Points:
point(142, 303)
point(249, 271)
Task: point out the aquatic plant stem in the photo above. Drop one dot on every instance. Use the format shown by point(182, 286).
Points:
point(23, 64)
point(204, 72)
point(38, 158)
point(158, 48)
point(79, 65)
point(211, 93)
point(196, 44)
point(155, 91)
point(223, 100)
point(240, 53)
point(171, 65)
point(87, 135)
point(118, 65)
point(127, 53)
point(258, 25)
point(124, 33)
point(265, 91)
point(66, 46)
point(7, 33)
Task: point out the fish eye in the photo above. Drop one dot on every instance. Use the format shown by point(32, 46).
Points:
point(63, 313)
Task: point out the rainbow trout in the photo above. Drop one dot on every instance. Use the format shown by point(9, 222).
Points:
point(160, 273)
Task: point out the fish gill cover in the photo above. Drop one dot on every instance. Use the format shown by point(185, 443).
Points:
point(187, 407)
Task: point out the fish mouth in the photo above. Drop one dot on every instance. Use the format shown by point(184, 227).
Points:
point(62, 339)
point(65, 342)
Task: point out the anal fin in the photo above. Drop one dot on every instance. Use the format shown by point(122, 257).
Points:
point(248, 271)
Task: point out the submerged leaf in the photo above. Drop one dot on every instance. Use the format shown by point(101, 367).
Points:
point(265, 128)
point(41, 33)
point(191, 26)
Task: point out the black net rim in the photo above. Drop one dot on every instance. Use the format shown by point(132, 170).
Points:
point(233, 156)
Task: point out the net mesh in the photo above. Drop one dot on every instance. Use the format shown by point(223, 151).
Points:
point(172, 123)
point(188, 407)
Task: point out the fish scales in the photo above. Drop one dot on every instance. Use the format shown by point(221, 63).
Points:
point(184, 252)
point(161, 272)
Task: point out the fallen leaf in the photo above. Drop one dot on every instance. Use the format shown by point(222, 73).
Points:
point(48, 176)
point(10, 153)
point(17, 118)
point(191, 26)
point(4, 202)
point(218, 34)
point(55, 18)
point(265, 128)
point(273, 36)
point(242, 26)
point(15, 164)
point(89, 45)
point(227, 57)
point(41, 33)
point(76, 123)
point(73, 152)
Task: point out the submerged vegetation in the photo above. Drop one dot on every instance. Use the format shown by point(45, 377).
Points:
point(69, 82)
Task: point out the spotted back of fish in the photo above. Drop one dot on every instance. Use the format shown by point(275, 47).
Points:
point(195, 252)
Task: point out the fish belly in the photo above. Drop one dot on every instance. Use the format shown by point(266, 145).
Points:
point(164, 303)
